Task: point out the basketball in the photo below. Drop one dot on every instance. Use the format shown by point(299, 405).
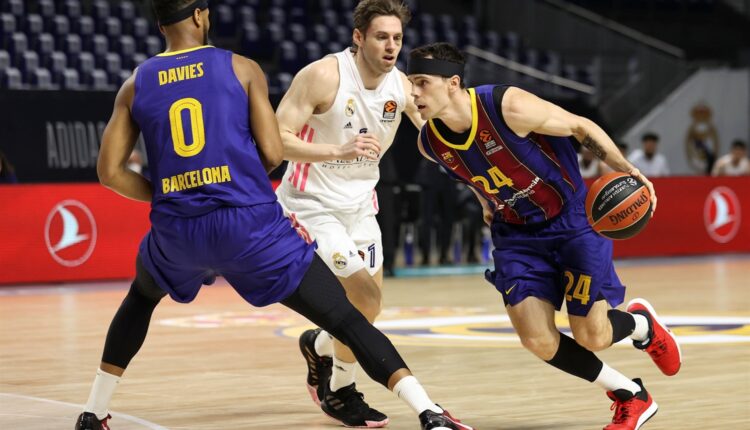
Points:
point(618, 206)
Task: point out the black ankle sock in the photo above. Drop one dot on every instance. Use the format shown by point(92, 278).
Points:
point(574, 359)
point(623, 324)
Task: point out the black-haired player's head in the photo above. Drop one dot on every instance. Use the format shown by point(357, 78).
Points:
point(183, 19)
point(436, 72)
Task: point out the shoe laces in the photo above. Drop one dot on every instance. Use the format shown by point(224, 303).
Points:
point(352, 399)
point(622, 410)
point(658, 346)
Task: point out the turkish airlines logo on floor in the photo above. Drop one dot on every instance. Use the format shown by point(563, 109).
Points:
point(722, 214)
point(70, 233)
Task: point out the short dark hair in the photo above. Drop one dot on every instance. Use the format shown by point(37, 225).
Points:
point(739, 144)
point(650, 136)
point(162, 8)
point(440, 51)
point(367, 10)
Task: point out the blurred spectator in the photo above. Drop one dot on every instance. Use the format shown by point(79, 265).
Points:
point(589, 165)
point(623, 147)
point(7, 172)
point(647, 159)
point(735, 163)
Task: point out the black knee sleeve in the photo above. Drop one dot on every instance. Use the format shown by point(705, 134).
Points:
point(623, 324)
point(574, 359)
point(130, 324)
point(374, 351)
point(321, 299)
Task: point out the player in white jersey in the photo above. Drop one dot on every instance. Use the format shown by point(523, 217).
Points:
point(337, 119)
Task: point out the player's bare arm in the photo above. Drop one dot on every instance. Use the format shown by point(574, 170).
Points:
point(525, 113)
point(262, 118)
point(313, 91)
point(118, 141)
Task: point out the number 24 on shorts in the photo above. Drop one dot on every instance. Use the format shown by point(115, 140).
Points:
point(581, 290)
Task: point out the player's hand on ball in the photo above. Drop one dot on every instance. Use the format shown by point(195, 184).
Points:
point(638, 175)
point(365, 144)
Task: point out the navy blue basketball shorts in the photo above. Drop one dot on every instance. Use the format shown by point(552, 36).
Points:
point(563, 259)
point(255, 248)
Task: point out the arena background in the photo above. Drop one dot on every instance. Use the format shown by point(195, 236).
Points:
point(678, 68)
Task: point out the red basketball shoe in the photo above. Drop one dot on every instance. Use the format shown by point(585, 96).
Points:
point(661, 344)
point(631, 411)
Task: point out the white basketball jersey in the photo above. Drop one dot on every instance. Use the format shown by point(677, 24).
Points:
point(347, 184)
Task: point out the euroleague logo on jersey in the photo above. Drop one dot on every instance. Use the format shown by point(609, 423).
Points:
point(722, 214)
point(389, 110)
point(70, 233)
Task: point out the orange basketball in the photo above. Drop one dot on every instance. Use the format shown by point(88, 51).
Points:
point(618, 205)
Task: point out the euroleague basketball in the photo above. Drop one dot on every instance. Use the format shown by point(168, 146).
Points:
point(618, 205)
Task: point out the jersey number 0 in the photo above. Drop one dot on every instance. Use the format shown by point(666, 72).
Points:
point(195, 109)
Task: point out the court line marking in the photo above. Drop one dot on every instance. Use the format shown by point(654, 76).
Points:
point(126, 417)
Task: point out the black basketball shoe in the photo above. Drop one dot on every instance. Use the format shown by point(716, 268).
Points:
point(318, 367)
point(89, 421)
point(348, 406)
point(434, 421)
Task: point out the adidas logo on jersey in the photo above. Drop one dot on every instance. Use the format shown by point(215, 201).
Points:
point(348, 125)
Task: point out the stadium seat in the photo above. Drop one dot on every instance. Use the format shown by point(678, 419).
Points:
point(312, 52)
point(298, 15)
point(122, 76)
point(71, 80)
point(99, 80)
point(450, 36)
point(57, 64)
point(100, 47)
point(45, 46)
point(72, 9)
point(329, 18)
point(14, 7)
point(125, 11)
point(444, 23)
point(320, 34)
point(492, 41)
point(41, 79)
point(4, 60)
point(334, 47)
point(276, 15)
point(137, 59)
point(411, 36)
point(34, 26)
point(29, 63)
point(288, 59)
point(224, 18)
point(84, 27)
point(17, 46)
point(284, 81)
point(153, 46)
point(343, 34)
point(60, 26)
point(271, 36)
point(425, 22)
point(46, 8)
point(250, 40)
point(469, 38)
point(7, 28)
point(85, 65)
point(113, 27)
point(12, 79)
point(72, 45)
point(429, 36)
point(346, 5)
point(296, 33)
point(113, 66)
point(100, 10)
point(126, 47)
point(246, 16)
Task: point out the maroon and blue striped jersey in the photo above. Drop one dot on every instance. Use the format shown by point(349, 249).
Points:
point(529, 178)
point(194, 116)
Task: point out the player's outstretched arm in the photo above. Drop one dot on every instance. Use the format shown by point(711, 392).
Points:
point(525, 113)
point(118, 142)
point(262, 120)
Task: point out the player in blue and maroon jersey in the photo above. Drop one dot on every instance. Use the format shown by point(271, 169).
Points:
point(211, 136)
point(515, 151)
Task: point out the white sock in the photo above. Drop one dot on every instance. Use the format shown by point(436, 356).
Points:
point(612, 380)
point(641, 328)
point(410, 391)
point(101, 393)
point(324, 344)
point(342, 374)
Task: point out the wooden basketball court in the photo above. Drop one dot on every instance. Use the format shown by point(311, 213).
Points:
point(219, 364)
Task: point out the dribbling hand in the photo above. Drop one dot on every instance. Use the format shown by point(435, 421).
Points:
point(365, 144)
point(638, 175)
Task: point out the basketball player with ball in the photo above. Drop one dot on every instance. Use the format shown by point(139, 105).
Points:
point(516, 152)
